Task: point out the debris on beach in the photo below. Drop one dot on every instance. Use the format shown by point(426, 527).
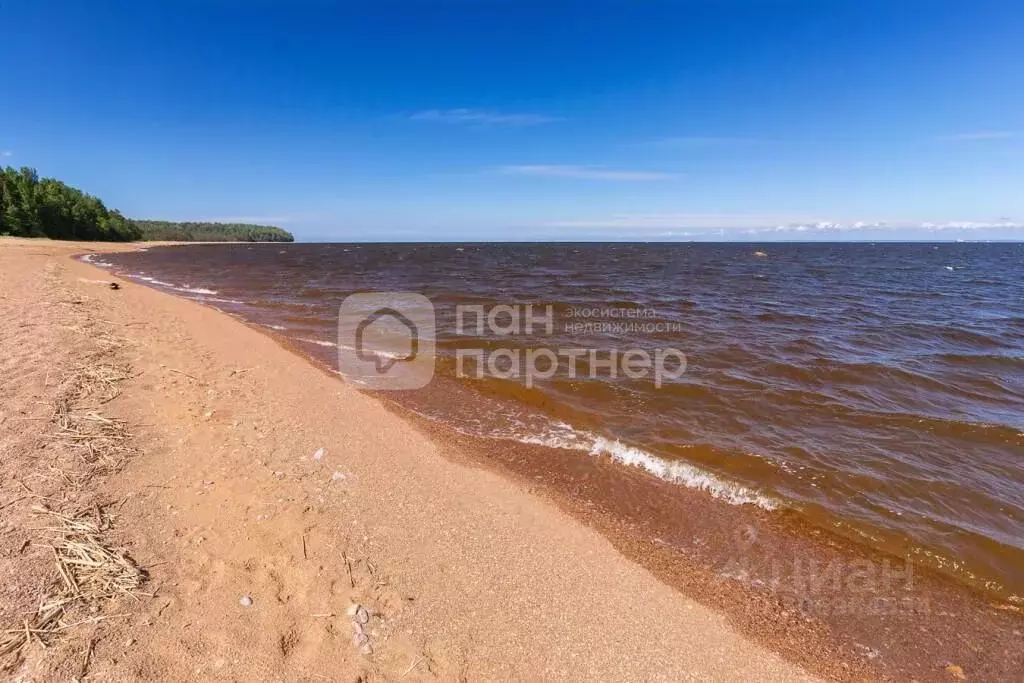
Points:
point(338, 476)
point(360, 616)
point(867, 651)
point(320, 453)
point(246, 601)
point(956, 672)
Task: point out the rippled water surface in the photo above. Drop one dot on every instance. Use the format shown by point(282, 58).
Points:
point(876, 388)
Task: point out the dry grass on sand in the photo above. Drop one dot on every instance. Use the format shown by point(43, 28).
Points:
point(89, 571)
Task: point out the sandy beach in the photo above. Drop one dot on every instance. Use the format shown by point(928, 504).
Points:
point(291, 528)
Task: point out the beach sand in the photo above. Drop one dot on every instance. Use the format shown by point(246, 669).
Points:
point(461, 574)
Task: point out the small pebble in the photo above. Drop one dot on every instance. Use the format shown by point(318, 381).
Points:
point(337, 476)
point(319, 454)
point(366, 649)
point(362, 616)
point(360, 639)
point(246, 601)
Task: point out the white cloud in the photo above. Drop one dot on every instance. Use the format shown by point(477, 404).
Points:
point(682, 224)
point(979, 135)
point(6, 153)
point(480, 117)
point(583, 172)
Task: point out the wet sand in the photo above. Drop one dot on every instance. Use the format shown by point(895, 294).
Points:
point(836, 607)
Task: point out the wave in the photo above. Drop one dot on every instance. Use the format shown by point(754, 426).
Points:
point(564, 436)
point(194, 290)
point(151, 280)
point(681, 473)
point(91, 259)
point(204, 298)
point(318, 342)
point(206, 295)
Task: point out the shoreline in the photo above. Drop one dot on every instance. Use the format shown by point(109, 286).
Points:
point(822, 629)
point(462, 573)
point(824, 600)
point(836, 607)
point(885, 505)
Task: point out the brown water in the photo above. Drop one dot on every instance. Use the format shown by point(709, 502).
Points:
point(876, 390)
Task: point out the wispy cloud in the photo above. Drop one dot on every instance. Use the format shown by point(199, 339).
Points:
point(583, 172)
point(700, 141)
point(979, 135)
point(480, 117)
point(6, 153)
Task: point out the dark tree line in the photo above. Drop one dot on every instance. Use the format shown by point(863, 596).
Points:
point(212, 232)
point(31, 206)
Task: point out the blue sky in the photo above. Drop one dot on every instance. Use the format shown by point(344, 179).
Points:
point(454, 120)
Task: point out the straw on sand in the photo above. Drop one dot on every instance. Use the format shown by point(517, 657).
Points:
point(89, 570)
point(101, 442)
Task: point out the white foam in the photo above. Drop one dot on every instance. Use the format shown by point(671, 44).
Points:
point(562, 435)
point(681, 473)
point(218, 300)
point(152, 280)
point(279, 328)
point(91, 258)
point(195, 290)
point(318, 342)
point(375, 352)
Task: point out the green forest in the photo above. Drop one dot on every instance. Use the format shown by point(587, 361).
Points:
point(212, 232)
point(31, 206)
